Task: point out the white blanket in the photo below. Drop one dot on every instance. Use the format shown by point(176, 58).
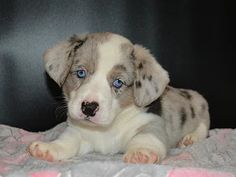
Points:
point(213, 157)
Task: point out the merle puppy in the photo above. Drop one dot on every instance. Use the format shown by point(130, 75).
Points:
point(119, 101)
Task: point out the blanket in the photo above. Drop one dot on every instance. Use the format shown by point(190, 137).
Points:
point(212, 157)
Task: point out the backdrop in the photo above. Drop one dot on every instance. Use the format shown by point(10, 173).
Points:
point(191, 39)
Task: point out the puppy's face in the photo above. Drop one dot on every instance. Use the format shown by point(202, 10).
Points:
point(102, 71)
point(102, 74)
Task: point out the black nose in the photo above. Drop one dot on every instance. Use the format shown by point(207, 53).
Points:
point(89, 109)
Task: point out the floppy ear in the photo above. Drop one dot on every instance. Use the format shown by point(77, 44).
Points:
point(151, 79)
point(59, 59)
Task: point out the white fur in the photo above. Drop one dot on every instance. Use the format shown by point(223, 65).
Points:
point(112, 139)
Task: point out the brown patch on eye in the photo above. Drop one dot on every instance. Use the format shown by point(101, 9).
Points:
point(87, 56)
point(84, 49)
point(84, 52)
point(117, 70)
point(138, 84)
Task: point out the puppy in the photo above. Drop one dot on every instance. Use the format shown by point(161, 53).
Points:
point(119, 101)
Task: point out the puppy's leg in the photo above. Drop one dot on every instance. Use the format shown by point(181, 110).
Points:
point(66, 146)
point(200, 133)
point(145, 148)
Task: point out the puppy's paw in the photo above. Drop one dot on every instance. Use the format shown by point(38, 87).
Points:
point(140, 155)
point(187, 140)
point(44, 151)
point(200, 133)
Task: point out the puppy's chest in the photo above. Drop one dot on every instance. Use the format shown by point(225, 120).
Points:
point(109, 142)
point(118, 135)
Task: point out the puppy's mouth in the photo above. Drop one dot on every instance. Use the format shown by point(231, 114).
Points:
point(87, 118)
point(87, 121)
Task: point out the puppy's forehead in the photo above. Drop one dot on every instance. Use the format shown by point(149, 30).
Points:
point(112, 52)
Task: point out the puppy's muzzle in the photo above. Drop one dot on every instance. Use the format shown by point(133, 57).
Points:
point(89, 108)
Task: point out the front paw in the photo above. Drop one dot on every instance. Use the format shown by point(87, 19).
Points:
point(140, 155)
point(44, 151)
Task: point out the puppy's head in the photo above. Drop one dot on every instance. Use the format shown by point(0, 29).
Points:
point(102, 74)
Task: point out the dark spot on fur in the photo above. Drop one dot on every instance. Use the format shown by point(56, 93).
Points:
point(132, 56)
point(140, 66)
point(150, 77)
point(50, 67)
point(144, 77)
point(121, 67)
point(73, 51)
point(116, 90)
point(76, 42)
point(203, 107)
point(183, 116)
point(69, 56)
point(130, 85)
point(185, 94)
point(138, 84)
point(73, 39)
point(155, 107)
point(76, 61)
point(192, 112)
point(156, 89)
point(78, 45)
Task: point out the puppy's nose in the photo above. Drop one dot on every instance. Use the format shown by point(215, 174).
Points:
point(89, 109)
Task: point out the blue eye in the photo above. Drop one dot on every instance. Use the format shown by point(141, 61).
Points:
point(81, 73)
point(117, 83)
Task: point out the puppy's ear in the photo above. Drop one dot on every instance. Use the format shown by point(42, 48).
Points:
point(59, 59)
point(151, 79)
